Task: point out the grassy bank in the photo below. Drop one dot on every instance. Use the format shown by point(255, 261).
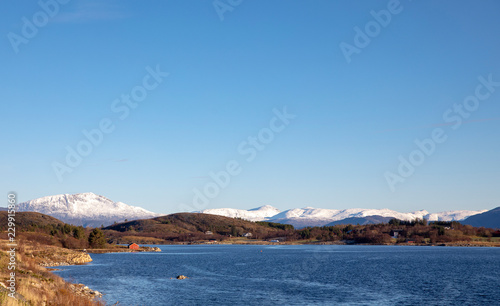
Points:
point(36, 285)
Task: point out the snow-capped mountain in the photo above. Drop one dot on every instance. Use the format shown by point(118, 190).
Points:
point(334, 214)
point(309, 216)
point(87, 209)
point(256, 214)
point(455, 215)
point(490, 219)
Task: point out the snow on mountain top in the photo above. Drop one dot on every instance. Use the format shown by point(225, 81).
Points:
point(92, 209)
point(269, 213)
point(265, 208)
point(453, 215)
point(84, 206)
point(255, 214)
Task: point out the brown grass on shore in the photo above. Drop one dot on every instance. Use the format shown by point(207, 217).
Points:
point(35, 285)
point(475, 243)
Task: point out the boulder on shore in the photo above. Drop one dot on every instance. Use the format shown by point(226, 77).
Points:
point(82, 290)
point(61, 257)
point(150, 249)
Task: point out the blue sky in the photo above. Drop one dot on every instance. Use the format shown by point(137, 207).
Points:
point(229, 73)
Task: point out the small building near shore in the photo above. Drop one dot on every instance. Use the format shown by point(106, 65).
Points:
point(209, 233)
point(395, 233)
point(248, 235)
point(133, 246)
point(278, 239)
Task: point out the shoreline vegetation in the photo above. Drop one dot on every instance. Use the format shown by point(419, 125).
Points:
point(246, 241)
point(35, 284)
point(195, 228)
point(45, 242)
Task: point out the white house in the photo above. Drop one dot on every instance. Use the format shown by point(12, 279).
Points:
point(395, 233)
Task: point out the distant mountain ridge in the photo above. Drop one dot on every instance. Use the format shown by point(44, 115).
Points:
point(255, 214)
point(309, 216)
point(490, 219)
point(87, 209)
point(361, 221)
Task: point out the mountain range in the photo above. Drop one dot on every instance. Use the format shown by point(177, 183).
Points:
point(490, 219)
point(89, 209)
point(309, 216)
point(86, 209)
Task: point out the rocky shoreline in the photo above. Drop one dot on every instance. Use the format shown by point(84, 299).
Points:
point(66, 257)
point(40, 286)
point(66, 260)
point(122, 249)
point(82, 290)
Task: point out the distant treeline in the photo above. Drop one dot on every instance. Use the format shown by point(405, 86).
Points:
point(399, 231)
point(280, 226)
point(416, 231)
point(69, 236)
point(51, 231)
point(192, 227)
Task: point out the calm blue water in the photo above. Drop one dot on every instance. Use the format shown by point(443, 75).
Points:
point(295, 275)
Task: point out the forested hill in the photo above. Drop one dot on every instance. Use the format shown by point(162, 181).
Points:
point(197, 223)
point(26, 221)
point(200, 228)
point(489, 219)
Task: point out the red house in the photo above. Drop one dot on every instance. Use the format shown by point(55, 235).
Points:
point(133, 246)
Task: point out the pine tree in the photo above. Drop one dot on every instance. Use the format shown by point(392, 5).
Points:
point(79, 232)
point(96, 239)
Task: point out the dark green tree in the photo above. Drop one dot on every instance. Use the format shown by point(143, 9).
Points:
point(348, 228)
point(66, 229)
point(305, 233)
point(394, 222)
point(79, 232)
point(96, 239)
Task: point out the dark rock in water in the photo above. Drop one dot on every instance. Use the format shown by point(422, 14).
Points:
point(182, 277)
